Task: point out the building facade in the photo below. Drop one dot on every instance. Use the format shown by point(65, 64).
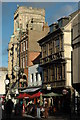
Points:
point(56, 53)
point(56, 60)
point(29, 26)
point(76, 49)
point(75, 61)
point(35, 76)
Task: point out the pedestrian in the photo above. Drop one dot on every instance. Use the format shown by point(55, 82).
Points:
point(46, 111)
point(38, 110)
point(3, 109)
point(42, 111)
point(18, 109)
point(8, 108)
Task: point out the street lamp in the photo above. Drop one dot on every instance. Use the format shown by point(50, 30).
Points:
point(7, 82)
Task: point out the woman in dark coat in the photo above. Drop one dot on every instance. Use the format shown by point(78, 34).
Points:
point(8, 108)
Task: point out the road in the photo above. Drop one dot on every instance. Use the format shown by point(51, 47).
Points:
point(55, 117)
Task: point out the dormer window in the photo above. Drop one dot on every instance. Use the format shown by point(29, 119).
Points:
point(63, 21)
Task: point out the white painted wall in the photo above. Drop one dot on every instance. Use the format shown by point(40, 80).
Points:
point(2, 81)
point(67, 52)
point(33, 70)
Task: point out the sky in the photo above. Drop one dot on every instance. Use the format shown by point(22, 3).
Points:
point(53, 11)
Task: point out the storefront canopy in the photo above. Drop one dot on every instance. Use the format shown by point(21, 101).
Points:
point(36, 95)
point(30, 90)
point(51, 94)
point(24, 95)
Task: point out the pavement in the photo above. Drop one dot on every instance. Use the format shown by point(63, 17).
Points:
point(54, 117)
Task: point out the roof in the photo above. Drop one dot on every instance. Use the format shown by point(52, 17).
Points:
point(70, 17)
point(74, 13)
point(37, 59)
point(49, 34)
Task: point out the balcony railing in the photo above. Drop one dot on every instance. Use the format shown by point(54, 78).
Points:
point(57, 83)
point(52, 57)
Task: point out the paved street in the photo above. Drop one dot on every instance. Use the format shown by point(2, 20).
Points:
point(55, 117)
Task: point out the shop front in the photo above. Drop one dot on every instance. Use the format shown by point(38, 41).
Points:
point(58, 98)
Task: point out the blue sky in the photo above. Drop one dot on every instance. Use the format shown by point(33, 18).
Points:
point(53, 10)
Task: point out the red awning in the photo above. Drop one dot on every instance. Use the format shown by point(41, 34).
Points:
point(2, 96)
point(25, 95)
point(36, 95)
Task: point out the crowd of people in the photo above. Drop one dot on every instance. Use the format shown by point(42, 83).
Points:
point(9, 109)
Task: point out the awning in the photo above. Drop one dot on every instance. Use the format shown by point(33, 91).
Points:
point(36, 95)
point(52, 94)
point(30, 90)
point(2, 96)
point(21, 96)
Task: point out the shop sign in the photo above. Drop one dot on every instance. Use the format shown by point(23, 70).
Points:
point(48, 87)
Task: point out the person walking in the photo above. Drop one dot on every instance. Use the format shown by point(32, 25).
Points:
point(42, 112)
point(8, 108)
point(18, 109)
point(46, 111)
point(38, 110)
